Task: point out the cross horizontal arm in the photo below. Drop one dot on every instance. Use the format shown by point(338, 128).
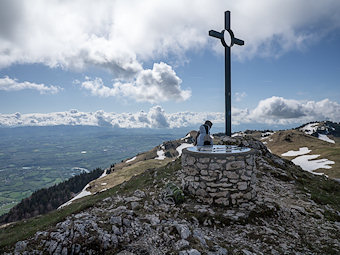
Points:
point(238, 41)
point(216, 34)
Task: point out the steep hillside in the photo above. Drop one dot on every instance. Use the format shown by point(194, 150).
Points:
point(295, 212)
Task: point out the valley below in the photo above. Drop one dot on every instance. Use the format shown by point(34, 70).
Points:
point(32, 158)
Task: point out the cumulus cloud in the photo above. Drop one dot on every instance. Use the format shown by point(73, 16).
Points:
point(9, 84)
point(274, 110)
point(156, 85)
point(286, 111)
point(158, 117)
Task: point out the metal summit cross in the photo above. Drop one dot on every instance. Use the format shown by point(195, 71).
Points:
point(227, 40)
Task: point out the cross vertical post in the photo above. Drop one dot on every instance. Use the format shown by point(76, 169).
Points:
point(228, 40)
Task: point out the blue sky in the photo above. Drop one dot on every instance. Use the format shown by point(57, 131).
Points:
point(106, 59)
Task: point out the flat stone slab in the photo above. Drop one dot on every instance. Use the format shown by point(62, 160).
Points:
point(218, 149)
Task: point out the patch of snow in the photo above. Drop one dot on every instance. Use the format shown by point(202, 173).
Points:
point(103, 174)
point(180, 148)
point(269, 150)
point(325, 138)
point(130, 160)
point(267, 134)
point(187, 136)
point(237, 134)
point(104, 183)
point(270, 140)
point(83, 152)
point(301, 151)
point(310, 128)
point(160, 155)
point(83, 193)
point(307, 163)
point(264, 142)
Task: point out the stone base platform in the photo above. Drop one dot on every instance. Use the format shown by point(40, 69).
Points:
point(220, 174)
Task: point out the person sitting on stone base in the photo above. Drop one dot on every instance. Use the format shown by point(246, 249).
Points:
point(203, 136)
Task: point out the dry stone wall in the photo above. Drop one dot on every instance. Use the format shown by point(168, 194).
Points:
point(224, 179)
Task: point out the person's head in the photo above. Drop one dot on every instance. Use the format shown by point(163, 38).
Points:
point(209, 123)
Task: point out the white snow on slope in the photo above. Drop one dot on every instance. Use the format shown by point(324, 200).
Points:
point(180, 148)
point(103, 174)
point(160, 155)
point(130, 160)
point(310, 128)
point(267, 134)
point(301, 151)
point(325, 138)
point(187, 136)
point(83, 193)
point(237, 134)
point(307, 163)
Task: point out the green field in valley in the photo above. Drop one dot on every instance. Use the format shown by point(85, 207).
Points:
point(35, 157)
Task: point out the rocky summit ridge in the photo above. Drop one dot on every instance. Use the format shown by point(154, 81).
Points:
point(295, 213)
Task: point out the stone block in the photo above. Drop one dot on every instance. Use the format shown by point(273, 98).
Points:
point(195, 185)
point(208, 178)
point(213, 184)
point(235, 165)
point(204, 160)
point(249, 173)
point(215, 173)
point(221, 161)
point(207, 200)
point(222, 201)
point(245, 178)
point(190, 171)
point(189, 178)
point(250, 161)
point(201, 193)
point(231, 174)
point(204, 172)
point(190, 160)
point(230, 158)
point(214, 166)
point(242, 185)
point(225, 185)
point(201, 166)
point(191, 189)
point(234, 180)
point(211, 190)
point(222, 194)
point(253, 179)
point(247, 196)
point(236, 195)
point(249, 167)
point(203, 185)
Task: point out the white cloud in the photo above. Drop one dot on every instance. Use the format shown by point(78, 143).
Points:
point(8, 84)
point(156, 85)
point(278, 110)
point(239, 96)
point(274, 110)
point(80, 34)
point(111, 34)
